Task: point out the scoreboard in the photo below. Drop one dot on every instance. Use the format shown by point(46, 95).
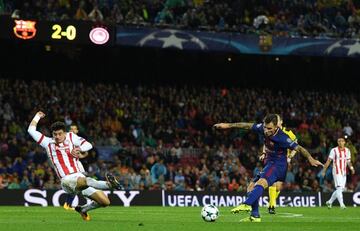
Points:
point(70, 31)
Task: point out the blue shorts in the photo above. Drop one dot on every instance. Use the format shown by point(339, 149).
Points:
point(272, 172)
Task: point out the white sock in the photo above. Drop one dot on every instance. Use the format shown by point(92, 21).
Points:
point(98, 184)
point(90, 206)
point(340, 197)
point(333, 197)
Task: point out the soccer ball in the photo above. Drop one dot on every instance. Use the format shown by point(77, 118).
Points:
point(209, 213)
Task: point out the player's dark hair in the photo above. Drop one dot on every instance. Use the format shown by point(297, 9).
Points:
point(57, 126)
point(271, 118)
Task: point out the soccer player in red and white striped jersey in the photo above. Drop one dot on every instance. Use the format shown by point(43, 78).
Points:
point(70, 197)
point(341, 158)
point(63, 150)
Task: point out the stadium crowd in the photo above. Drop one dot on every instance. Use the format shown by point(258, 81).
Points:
point(319, 18)
point(161, 137)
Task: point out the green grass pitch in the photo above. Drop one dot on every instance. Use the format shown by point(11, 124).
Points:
point(174, 219)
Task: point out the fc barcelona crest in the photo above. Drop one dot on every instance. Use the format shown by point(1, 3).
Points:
point(25, 29)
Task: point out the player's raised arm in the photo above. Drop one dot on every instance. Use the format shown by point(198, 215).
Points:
point(307, 154)
point(242, 125)
point(37, 136)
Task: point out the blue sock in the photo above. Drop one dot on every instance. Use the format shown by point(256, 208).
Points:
point(254, 195)
point(255, 209)
point(70, 199)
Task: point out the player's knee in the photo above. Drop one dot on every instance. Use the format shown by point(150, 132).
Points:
point(278, 186)
point(250, 187)
point(105, 202)
point(262, 182)
point(81, 183)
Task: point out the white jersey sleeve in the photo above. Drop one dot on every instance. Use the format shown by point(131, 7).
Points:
point(80, 142)
point(39, 137)
point(332, 154)
point(348, 154)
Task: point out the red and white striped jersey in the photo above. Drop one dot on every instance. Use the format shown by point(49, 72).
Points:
point(339, 158)
point(60, 154)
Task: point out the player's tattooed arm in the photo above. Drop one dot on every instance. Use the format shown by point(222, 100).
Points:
point(303, 151)
point(242, 125)
point(307, 155)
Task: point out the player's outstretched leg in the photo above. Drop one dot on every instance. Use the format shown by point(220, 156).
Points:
point(254, 195)
point(244, 207)
point(113, 182)
point(110, 183)
point(255, 215)
point(99, 199)
point(85, 216)
point(241, 208)
point(68, 203)
point(251, 219)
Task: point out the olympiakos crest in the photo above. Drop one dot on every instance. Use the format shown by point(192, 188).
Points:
point(265, 42)
point(25, 29)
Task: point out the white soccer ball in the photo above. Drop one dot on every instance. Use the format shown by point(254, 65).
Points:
point(209, 213)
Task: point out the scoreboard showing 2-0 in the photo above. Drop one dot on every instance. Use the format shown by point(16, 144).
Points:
point(70, 31)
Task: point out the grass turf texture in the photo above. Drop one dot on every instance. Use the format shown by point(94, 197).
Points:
point(174, 219)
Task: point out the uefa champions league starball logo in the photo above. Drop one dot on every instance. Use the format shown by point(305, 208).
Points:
point(172, 39)
point(349, 47)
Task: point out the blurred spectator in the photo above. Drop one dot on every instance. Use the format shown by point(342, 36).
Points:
point(158, 171)
point(134, 126)
point(96, 15)
point(290, 177)
point(348, 130)
point(280, 18)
